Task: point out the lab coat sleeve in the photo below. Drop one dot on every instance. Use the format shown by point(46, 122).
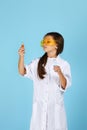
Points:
point(67, 75)
point(31, 70)
point(29, 73)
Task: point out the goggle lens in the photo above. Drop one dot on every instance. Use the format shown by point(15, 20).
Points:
point(48, 43)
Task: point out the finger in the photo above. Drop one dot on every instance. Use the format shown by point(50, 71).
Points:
point(21, 51)
point(57, 69)
point(21, 54)
point(22, 45)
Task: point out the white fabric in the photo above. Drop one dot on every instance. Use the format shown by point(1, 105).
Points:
point(48, 104)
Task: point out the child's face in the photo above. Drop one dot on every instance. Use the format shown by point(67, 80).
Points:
point(48, 44)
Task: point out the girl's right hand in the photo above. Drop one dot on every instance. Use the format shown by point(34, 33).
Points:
point(21, 50)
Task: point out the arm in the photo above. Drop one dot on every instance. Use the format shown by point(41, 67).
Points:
point(21, 68)
point(63, 80)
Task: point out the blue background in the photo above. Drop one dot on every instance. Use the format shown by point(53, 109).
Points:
point(27, 21)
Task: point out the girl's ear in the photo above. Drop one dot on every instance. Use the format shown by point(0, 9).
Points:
point(56, 47)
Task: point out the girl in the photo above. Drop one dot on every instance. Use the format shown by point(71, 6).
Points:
point(51, 77)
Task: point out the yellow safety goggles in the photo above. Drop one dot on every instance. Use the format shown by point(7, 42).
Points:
point(47, 43)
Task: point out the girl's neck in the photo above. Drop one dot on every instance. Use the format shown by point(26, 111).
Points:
point(52, 54)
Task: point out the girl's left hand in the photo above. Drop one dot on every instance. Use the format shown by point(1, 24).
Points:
point(57, 69)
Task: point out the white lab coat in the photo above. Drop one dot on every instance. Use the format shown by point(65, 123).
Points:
point(48, 111)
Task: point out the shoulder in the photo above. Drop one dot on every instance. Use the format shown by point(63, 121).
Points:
point(34, 61)
point(62, 61)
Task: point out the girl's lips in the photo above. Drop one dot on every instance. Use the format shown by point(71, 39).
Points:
point(44, 46)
